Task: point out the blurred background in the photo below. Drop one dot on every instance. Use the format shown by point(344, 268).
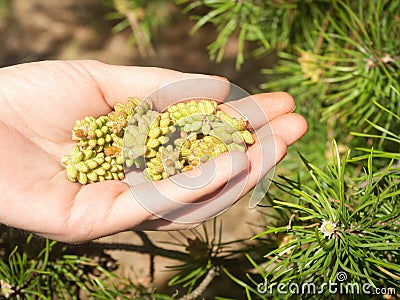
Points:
point(84, 29)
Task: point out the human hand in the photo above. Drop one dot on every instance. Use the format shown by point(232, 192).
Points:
point(39, 105)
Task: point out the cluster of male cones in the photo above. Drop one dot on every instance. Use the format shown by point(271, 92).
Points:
point(134, 136)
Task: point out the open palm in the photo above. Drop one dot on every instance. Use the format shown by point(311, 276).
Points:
point(39, 105)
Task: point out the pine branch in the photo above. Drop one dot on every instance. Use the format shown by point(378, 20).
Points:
point(145, 249)
point(199, 290)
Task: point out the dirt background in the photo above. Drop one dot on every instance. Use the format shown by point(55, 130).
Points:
point(77, 29)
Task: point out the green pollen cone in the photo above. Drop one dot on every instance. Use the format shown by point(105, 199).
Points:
point(134, 135)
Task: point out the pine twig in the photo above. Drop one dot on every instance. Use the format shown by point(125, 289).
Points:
point(143, 43)
point(203, 285)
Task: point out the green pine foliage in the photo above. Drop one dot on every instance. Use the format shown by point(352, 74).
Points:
point(271, 25)
point(33, 268)
point(352, 62)
point(334, 56)
point(363, 239)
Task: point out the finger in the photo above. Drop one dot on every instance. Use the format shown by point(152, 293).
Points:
point(261, 108)
point(164, 86)
point(263, 157)
point(162, 224)
point(190, 190)
point(290, 127)
point(277, 135)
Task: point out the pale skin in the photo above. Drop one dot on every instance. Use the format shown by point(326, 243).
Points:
point(39, 105)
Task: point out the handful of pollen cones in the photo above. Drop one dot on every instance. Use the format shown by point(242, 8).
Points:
point(134, 136)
